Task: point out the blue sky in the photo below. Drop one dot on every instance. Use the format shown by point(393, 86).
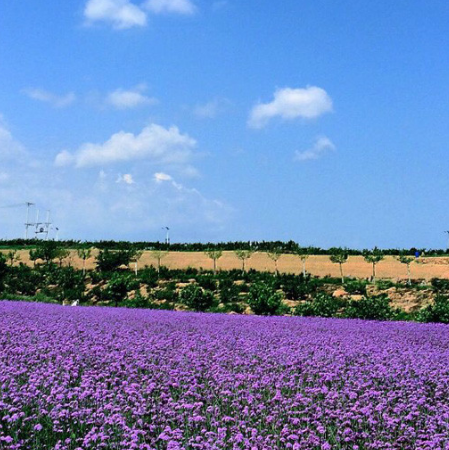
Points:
point(319, 121)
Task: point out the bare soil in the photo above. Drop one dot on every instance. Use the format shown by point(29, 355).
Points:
point(320, 265)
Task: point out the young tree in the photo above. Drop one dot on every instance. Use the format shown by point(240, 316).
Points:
point(61, 254)
point(34, 256)
point(373, 257)
point(303, 254)
point(135, 259)
point(407, 260)
point(117, 288)
point(243, 255)
point(274, 255)
point(340, 256)
point(84, 254)
point(47, 251)
point(215, 255)
point(12, 256)
point(159, 255)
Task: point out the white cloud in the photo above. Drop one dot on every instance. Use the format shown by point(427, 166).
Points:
point(321, 146)
point(57, 101)
point(185, 7)
point(289, 103)
point(121, 14)
point(10, 149)
point(127, 99)
point(160, 177)
point(127, 178)
point(211, 109)
point(155, 143)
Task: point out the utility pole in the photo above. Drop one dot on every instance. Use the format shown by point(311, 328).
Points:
point(448, 238)
point(167, 236)
point(27, 223)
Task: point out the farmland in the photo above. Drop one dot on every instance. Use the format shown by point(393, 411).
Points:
point(111, 378)
point(319, 265)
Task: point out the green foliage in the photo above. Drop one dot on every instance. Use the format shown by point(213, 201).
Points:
point(437, 312)
point(108, 261)
point(228, 291)
point(149, 276)
point(355, 286)
point(322, 305)
point(167, 293)
point(339, 255)
point(197, 299)
point(385, 284)
point(118, 287)
point(263, 299)
point(297, 287)
point(47, 251)
point(440, 284)
point(371, 308)
point(207, 281)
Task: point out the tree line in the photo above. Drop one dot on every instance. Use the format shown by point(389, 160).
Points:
point(255, 246)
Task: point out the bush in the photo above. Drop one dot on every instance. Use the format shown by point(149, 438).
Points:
point(323, 305)
point(297, 287)
point(197, 299)
point(438, 312)
point(355, 286)
point(228, 291)
point(207, 281)
point(264, 300)
point(440, 284)
point(371, 308)
point(108, 261)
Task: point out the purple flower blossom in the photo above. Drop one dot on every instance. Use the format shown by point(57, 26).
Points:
point(101, 378)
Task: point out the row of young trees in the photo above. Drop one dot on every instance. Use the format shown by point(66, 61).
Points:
point(108, 260)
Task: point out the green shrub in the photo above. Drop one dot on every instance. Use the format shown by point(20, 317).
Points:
point(437, 312)
point(264, 300)
point(371, 308)
point(355, 286)
point(385, 284)
point(297, 287)
point(228, 291)
point(440, 284)
point(322, 305)
point(197, 299)
point(167, 293)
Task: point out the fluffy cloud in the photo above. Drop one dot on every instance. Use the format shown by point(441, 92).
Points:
point(121, 14)
point(57, 101)
point(154, 143)
point(128, 99)
point(10, 149)
point(160, 177)
point(321, 146)
point(288, 104)
point(185, 7)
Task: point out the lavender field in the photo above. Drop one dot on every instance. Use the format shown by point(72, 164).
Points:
point(104, 378)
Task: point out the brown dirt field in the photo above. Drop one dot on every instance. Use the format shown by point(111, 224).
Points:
point(425, 268)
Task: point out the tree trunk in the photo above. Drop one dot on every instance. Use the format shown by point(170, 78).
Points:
point(374, 272)
point(84, 267)
point(341, 273)
point(135, 268)
point(304, 268)
point(409, 274)
point(215, 266)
